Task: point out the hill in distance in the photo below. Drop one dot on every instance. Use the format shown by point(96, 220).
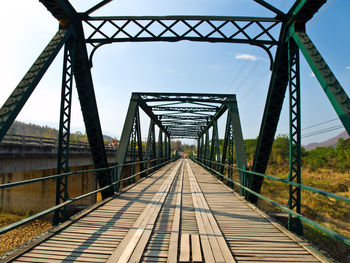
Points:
point(21, 128)
point(330, 142)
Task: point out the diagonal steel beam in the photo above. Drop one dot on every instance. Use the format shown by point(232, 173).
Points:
point(24, 89)
point(331, 86)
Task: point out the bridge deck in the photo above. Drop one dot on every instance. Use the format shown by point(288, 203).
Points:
point(180, 214)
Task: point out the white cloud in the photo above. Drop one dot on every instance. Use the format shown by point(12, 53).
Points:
point(247, 57)
point(312, 74)
point(347, 67)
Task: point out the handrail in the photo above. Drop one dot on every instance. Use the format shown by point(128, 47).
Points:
point(72, 200)
point(301, 186)
point(323, 229)
point(3, 186)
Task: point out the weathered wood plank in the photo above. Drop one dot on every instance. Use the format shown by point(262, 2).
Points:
point(196, 249)
point(185, 248)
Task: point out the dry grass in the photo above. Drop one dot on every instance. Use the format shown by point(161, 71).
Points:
point(326, 211)
point(22, 234)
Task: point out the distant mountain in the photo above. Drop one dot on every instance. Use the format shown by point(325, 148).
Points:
point(330, 142)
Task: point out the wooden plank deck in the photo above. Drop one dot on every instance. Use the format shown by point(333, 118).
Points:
point(179, 214)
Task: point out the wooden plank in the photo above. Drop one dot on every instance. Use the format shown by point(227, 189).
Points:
point(196, 249)
point(125, 249)
point(207, 251)
point(175, 229)
point(185, 248)
point(219, 246)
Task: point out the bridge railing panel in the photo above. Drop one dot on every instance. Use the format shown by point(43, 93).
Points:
point(112, 170)
point(208, 165)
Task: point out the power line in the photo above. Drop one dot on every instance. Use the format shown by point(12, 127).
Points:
point(315, 125)
point(248, 75)
point(322, 131)
point(255, 85)
point(313, 21)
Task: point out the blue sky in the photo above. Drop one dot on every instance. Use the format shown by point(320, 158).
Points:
point(185, 66)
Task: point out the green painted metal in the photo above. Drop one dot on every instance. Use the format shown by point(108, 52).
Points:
point(237, 138)
point(126, 133)
point(271, 8)
point(135, 145)
point(160, 146)
point(68, 17)
point(151, 145)
point(331, 86)
point(14, 104)
point(214, 148)
point(301, 12)
point(272, 111)
point(64, 134)
point(206, 146)
point(294, 202)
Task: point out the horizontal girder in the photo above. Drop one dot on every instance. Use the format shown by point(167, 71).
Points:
point(249, 30)
point(186, 97)
point(186, 109)
point(184, 117)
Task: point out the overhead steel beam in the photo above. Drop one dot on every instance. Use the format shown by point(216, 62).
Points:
point(184, 97)
point(193, 28)
point(184, 117)
point(278, 12)
point(186, 109)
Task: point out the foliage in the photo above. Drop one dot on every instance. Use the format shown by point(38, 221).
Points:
point(25, 129)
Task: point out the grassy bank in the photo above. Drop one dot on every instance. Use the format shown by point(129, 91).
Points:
point(326, 211)
point(22, 234)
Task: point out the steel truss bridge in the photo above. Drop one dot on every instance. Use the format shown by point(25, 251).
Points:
point(201, 220)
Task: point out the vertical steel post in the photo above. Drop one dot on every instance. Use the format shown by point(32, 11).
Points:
point(165, 146)
point(238, 143)
point(294, 203)
point(206, 148)
point(139, 142)
point(226, 141)
point(169, 148)
point(160, 146)
point(212, 148)
point(202, 149)
point(135, 146)
point(64, 133)
point(151, 146)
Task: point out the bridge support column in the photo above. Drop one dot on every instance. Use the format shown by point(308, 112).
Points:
point(131, 130)
point(135, 142)
point(294, 202)
point(169, 148)
point(214, 148)
point(206, 148)
point(160, 147)
point(151, 146)
point(64, 133)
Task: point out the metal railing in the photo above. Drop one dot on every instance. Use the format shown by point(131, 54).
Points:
point(112, 171)
point(203, 162)
point(45, 141)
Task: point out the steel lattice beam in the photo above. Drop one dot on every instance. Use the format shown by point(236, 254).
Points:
point(14, 104)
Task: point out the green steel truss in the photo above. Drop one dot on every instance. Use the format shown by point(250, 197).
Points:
point(79, 30)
